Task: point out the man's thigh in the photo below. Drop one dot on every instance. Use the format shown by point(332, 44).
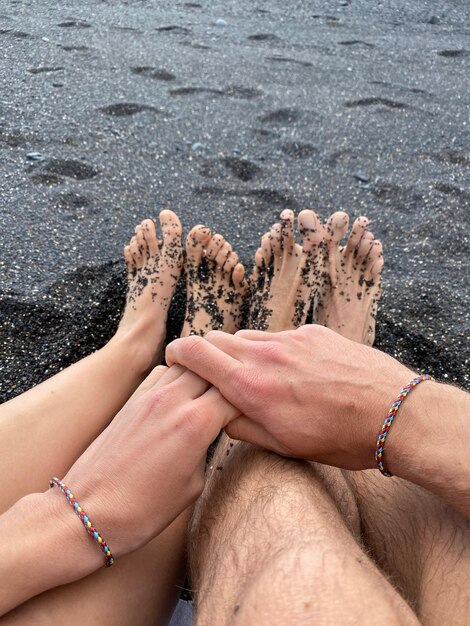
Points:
point(422, 544)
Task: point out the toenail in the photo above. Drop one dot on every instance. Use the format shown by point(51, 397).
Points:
point(308, 221)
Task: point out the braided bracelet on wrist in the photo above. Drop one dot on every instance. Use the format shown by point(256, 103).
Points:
point(389, 420)
point(91, 530)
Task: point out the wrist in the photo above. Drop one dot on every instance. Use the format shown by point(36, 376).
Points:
point(374, 402)
point(426, 445)
point(41, 546)
point(83, 554)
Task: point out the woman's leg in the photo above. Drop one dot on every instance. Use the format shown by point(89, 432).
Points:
point(44, 430)
point(143, 587)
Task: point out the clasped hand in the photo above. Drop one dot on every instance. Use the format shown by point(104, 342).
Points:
point(306, 393)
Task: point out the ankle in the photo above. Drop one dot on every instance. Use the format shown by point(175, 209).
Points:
point(143, 350)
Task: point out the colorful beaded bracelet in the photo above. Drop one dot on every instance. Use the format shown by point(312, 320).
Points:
point(91, 530)
point(379, 450)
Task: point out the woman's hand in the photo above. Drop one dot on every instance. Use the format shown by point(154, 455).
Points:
point(148, 465)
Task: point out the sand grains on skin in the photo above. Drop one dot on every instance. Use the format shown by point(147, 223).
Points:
point(351, 287)
point(215, 284)
point(153, 270)
point(286, 275)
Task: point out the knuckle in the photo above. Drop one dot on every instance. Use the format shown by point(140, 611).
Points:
point(192, 345)
point(251, 383)
point(194, 419)
point(212, 334)
point(158, 400)
point(273, 352)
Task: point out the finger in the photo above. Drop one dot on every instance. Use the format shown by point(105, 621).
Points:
point(255, 335)
point(190, 386)
point(171, 374)
point(230, 344)
point(201, 357)
point(152, 379)
point(245, 429)
point(209, 414)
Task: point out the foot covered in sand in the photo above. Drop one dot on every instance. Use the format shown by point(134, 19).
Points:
point(215, 284)
point(351, 285)
point(286, 275)
point(154, 267)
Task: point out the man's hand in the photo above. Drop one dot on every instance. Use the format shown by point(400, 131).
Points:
point(308, 393)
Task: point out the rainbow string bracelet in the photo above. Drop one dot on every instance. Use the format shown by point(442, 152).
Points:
point(379, 450)
point(91, 530)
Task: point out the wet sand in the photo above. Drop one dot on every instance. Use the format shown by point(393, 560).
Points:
point(228, 112)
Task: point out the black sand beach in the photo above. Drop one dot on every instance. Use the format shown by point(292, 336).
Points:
point(228, 112)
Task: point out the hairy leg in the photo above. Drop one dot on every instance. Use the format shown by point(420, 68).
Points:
point(269, 545)
point(422, 544)
point(43, 431)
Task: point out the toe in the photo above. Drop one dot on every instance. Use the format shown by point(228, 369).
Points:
point(336, 227)
point(129, 259)
point(170, 226)
point(365, 246)
point(214, 246)
point(150, 235)
point(357, 232)
point(238, 275)
point(376, 260)
point(136, 252)
point(259, 258)
point(231, 261)
point(141, 242)
point(258, 268)
point(276, 239)
point(267, 249)
point(287, 230)
point(196, 241)
point(223, 255)
point(311, 230)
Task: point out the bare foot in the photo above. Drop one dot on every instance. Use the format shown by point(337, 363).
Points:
point(216, 284)
point(154, 268)
point(286, 275)
point(351, 288)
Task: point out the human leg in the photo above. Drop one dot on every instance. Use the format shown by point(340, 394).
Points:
point(422, 544)
point(43, 431)
point(143, 587)
point(269, 545)
point(269, 536)
point(215, 284)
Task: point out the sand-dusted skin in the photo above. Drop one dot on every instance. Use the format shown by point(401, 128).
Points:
point(215, 284)
point(154, 267)
point(351, 283)
point(286, 275)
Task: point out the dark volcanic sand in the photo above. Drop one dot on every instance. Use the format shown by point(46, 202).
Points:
point(229, 112)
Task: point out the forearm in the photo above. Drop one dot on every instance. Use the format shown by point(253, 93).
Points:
point(430, 442)
point(42, 545)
